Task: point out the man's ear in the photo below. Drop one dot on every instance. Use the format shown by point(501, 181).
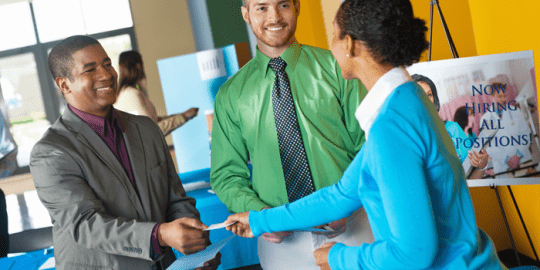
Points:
point(63, 85)
point(245, 14)
point(297, 6)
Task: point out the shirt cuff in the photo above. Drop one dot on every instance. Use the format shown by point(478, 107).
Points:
point(157, 250)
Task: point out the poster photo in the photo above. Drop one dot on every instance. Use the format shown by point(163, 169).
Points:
point(489, 105)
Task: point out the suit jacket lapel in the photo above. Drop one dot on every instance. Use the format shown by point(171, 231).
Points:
point(137, 157)
point(88, 137)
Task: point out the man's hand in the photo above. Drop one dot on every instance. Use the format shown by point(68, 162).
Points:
point(321, 255)
point(514, 162)
point(276, 237)
point(211, 264)
point(339, 227)
point(184, 234)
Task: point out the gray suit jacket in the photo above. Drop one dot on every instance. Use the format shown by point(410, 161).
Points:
point(100, 221)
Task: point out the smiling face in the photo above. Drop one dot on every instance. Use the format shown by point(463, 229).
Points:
point(93, 87)
point(427, 89)
point(273, 22)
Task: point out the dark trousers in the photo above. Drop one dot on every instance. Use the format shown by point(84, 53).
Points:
point(4, 236)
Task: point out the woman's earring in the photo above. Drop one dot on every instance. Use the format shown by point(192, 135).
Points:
point(348, 55)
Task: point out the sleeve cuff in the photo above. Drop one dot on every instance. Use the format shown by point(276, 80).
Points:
point(255, 223)
point(156, 249)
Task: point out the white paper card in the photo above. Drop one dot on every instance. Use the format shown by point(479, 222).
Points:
point(313, 230)
point(218, 226)
point(48, 264)
point(196, 185)
point(198, 259)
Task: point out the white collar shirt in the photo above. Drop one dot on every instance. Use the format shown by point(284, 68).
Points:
point(372, 103)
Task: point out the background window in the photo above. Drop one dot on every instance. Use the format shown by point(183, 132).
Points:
point(106, 15)
point(29, 30)
point(22, 95)
point(16, 27)
point(58, 19)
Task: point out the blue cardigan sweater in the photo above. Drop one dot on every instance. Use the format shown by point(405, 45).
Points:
point(412, 185)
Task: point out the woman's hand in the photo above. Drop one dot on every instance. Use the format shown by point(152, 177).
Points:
point(241, 227)
point(321, 255)
point(479, 160)
point(190, 113)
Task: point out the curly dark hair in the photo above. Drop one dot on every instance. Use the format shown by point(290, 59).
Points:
point(131, 69)
point(387, 27)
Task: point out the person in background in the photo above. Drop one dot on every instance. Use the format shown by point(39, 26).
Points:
point(290, 112)
point(8, 146)
point(133, 94)
point(407, 175)
point(8, 165)
point(510, 124)
point(479, 159)
point(465, 119)
point(4, 233)
point(106, 177)
point(453, 128)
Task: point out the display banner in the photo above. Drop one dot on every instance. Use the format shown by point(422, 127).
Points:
point(489, 106)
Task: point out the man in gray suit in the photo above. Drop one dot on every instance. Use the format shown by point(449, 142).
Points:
point(106, 177)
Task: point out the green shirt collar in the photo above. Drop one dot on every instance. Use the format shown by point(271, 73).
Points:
point(290, 55)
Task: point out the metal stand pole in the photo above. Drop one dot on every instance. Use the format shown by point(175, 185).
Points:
point(453, 49)
point(506, 223)
point(523, 223)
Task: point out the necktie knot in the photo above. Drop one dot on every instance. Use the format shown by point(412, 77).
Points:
point(277, 64)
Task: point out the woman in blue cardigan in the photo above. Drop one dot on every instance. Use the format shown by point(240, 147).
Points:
point(407, 175)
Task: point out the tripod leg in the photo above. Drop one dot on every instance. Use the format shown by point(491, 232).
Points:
point(447, 32)
point(430, 30)
point(523, 222)
point(506, 223)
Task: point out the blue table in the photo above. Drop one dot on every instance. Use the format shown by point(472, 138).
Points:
point(28, 261)
point(237, 253)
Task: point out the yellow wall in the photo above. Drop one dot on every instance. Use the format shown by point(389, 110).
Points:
point(311, 24)
point(502, 26)
point(163, 29)
point(458, 18)
point(329, 9)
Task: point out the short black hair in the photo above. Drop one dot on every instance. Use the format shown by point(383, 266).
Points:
point(461, 116)
point(429, 82)
point(60, 58)
point(387, 27)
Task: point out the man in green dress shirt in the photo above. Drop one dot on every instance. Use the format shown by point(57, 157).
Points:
point(244, 129)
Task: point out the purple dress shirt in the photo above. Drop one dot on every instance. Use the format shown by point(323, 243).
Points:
point(110, 131)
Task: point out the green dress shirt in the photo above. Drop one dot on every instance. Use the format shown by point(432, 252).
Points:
point(244, 128)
